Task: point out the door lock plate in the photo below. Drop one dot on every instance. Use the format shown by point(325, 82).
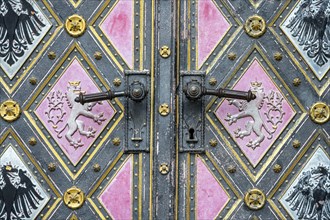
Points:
point(192, 119)
point(137, 113)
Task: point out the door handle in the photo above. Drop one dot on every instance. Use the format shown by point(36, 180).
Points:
point(194, 90)
point(137, 108)
point(136, 91)
point(192, 108)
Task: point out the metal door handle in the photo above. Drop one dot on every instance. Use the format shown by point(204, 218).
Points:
point(136, 91)
point(194, 90)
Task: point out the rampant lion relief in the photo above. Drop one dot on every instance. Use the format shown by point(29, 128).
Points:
point(55, 114)
point(254, 109)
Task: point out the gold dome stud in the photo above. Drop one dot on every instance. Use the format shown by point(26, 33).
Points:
point(75, 25)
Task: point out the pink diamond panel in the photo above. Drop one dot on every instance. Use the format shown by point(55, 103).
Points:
point(74, 126)
point(211, 198)
point(117, 197)
point(255, 125)
point(212, 26)
point(118, 27)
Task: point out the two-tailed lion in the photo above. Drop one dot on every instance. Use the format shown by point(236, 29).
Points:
point(251, 109)
point(78, 109)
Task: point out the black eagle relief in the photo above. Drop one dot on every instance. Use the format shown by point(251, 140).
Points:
point(19, 25)
point(310, 198)
point(311, 26)
point(18, 195)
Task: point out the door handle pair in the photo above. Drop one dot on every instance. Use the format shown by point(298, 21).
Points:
point(137, 91)
point(191, 94)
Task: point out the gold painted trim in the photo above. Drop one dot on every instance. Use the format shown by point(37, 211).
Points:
point(101, 179)
point(255, 177)
point(152, 104)
point(229, 183)
point(257, 4)
point(216, 179)
point(188, 186)
point(37, 93)
point(75, 4)
point(130, 156)
point(198, 66)
point(36, 58)
point(131, 65)
point(291, 168)
point(36, 165)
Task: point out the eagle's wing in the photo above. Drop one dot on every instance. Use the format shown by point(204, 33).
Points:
point(308, 26)
point(3, 30)
point(301, 199)
point(27, 198)
point(28, 26)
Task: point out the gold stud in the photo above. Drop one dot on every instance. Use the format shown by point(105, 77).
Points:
point(51, 167)
point(116, 82)
point(231, 168)
point(165, 51)
point(164, 109)
point(296, 143)
point(75, 25)
point(277, 168)
point(10, 110)
point(116, 141)
point(296, 81)
point(98, 55)
point(232, 56)
point(213, 142)
point(319, 113)
point(164, 168)
point(51, 55)
point(32, 141)
point(33, 80)
point(278, 56)
point(96, 167)
point(255, 199)
point(213, 81)
point(74, 198)
point(255, 26)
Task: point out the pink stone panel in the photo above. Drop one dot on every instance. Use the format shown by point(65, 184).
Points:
point(212, 26)
point(211, 197)
point(117, 197)
point(75, 72)
point(118, 27)
point(255, 73)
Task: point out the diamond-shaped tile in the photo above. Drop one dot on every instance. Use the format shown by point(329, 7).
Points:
point(117, 26)
point(22, 28)
point(74, 126)
point(212, 26)
point(256, 124)
point(118, 193)
point(211, 197)
point(21, 192)
point(306, 28)
point(69, 128)
point(307, 196)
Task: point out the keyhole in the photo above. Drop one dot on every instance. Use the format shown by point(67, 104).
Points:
point(191, 133)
